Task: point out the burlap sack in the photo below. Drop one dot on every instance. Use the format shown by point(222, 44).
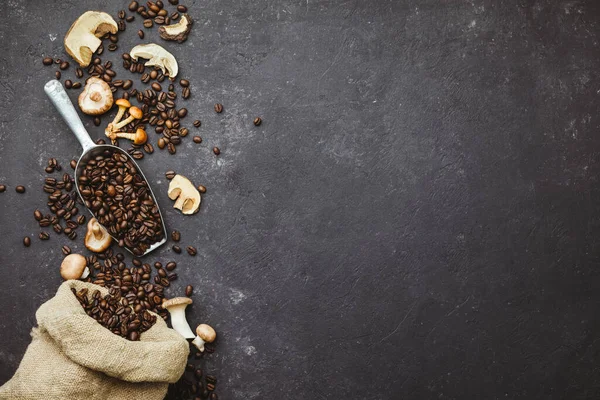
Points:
point(71, 356)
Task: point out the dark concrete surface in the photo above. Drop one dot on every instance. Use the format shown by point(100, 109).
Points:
point(416, 218)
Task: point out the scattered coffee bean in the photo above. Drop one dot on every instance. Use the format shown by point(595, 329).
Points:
point(76, 85)
point(189, 290)
point(197, 123)
point(26, 241)
point(191, 250)
point(66, 250)
point(218, 108)
point(44, 236)
point(185, 93)
point(213, 396)
point(216, 150)
point(64, 65)
point(112, 47)
point(81, 219)
point(68, 84)
point(257, 121)
point(148, 23)
point(184, 83)
point(198, 373)
point(176, 236)
point(47, 61)
point(121, 14)
point(156, 86)
point(20, 189)
point(197, 139)
point(210, 387)
point(182, 9)
point(174, 2)
point(73, 163)
point(97, 121)
point(141, 34)
point(133, 6)
point(170, 174)
point(161, 143)
point(148, 148)
point(171, 148)
point(182, 112)
point(176, 249)
point(171, 265)
point(79, 73)
point(202, 189)
point(57, 74)
point(130, 18)
point(2, 188)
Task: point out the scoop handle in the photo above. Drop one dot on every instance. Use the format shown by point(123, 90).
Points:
point(58, 96)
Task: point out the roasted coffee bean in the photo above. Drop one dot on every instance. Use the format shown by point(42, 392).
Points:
point(72, 235)
point(148, 23)
point(174, 2)
point(197, 139)
point(148, 148)
point(47, 61)
point(197, 123)
point(184, 83)
point(182, 112)
point(185, 93)
point(160, 20)
point(175, 16)
point(127, 84)
point(121, 27)
point(20, 189)
point(58, 229)
point(122, 14)
point(137, 154)
point(64, 65)
point(66, 250)
point(171, 148)
point(198, 373)
point(68, 84)
point(211, 379)
point(216, 150)
point(176, 140)
point(218, 108)
point(130, 18)
point(182, 9)
point(176, 236)
point(156, 86)
point(257, 121)
point(100, 49)
point(141, 34)
point(176, 249)
point(76, 85)
point(57, 74)
point(113, 38)
point(183, 132)
point(161, 143)
point(79, 73)
point(97, 121)
point(170, 174)
point(213, 396)
point(81, 219)
point(189, 290)
point(112, 47)
point(201, 189)
point(26, 241)
point(210, 387)
point(44, 236)
point(191, 250)
point(49, 170)
point(2, 188)
point(171, 265)
point(133, 6)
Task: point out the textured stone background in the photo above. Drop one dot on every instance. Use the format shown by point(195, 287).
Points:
point(416, 218)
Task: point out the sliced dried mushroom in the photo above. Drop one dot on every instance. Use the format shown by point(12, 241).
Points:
point(185, 193)
point(158, 56)
point(96, 98)
point(82, 39)
point(177, 32)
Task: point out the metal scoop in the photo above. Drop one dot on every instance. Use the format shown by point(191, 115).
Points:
point(55, 91)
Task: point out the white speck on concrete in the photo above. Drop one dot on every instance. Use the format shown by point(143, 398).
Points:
point(236, 296)
point(52, 37)
point(472, 24)
point(250, 350)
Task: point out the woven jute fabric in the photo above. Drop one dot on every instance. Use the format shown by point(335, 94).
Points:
point(72, 356)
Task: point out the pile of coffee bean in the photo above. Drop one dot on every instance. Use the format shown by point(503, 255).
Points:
point(120, 199)
point(115, 314)
point(193, 385)
point(62, 203)
point(155, 13)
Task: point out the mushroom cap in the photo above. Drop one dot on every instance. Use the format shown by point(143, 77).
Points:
point(123, 103)
point(186, 196)
point(83, 37)
point(176, 301)
point(135, 112)
point(158, 56)
point(92, 241)
point(72, 266)
point(96, 97)
point(206, 333)
point(140, 136)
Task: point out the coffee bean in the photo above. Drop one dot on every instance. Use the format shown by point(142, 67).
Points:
point(20, 189)
point(211, 379)
point(26, 241)
point(68, 84)
point(182, 9)
point(97, 121)
point(257, 121)
point(156, 86)
point(137, 154)
point(112, 47)
point(185, 93)
point(191, 250)
point(57, 74)
point(183, 132)
point(198, 373)
point(197, 123)
point(182, 112)
point(218, 108)
point(81, 219)
point(184, 83)
point(44, 236)
point(189, 290)
point(161, 143)
point(76, 85)
point(176, 249)
point(148, 148)
point(66, 250)
point(133, 6)
point(197, 139)
point(47, 61)
point(141, 33)
point(130, 18)
point(160, 20)
point(216, 150)
point(201, 189)
point(100, 49)
point(170, 174)
point(174, 2)
point(79, 73)
point(210, 387)
point(171, 265)
point(148, 23)
point(2, 188)
point(64, 65)
point(121, 14)
point(213, 396)
point(176, 236)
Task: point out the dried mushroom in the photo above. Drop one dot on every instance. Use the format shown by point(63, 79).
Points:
point(186, 196)
point(82, 39)
point(177, 32)
point(74, 266)
point(156, 56)
point(97, 238)
point(96, 98)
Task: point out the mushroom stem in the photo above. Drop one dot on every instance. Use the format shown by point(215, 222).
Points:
point(97, 232)
point(119, 115)
point(199, 343)
point(134, 113)
point(139, 137)
point(179, 322)
point(86, 273)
